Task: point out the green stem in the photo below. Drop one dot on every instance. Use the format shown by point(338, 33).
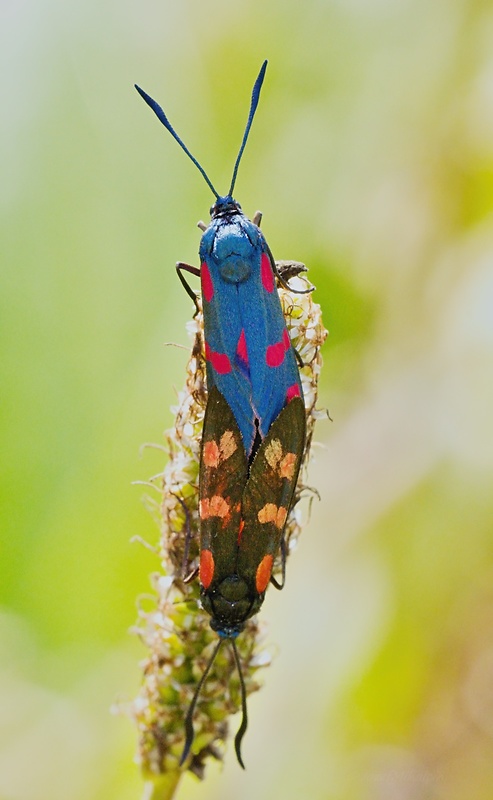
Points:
point(162, 787)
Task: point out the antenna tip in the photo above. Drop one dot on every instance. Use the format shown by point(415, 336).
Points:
point(186, 751)
point(141, 92)
point(238, 756)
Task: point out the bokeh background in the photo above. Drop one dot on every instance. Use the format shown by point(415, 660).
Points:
point(372, 160)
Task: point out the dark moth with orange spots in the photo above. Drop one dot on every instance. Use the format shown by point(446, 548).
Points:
point(243, 509)
point(244, 504)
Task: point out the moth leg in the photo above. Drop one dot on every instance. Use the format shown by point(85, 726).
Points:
point(286, 285)
point(181, 267)
point(273, 580)
point(257, 218)
point(290, 269)
point(300, 361)
point(191, 575)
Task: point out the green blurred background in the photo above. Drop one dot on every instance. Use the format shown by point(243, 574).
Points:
point(372, 160)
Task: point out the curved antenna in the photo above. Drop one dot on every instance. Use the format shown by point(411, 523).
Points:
point(244, 719)
point(164, 119)
point(189, 734)
point(253, 107)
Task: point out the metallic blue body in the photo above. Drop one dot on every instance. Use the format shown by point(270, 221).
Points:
point(242, 311)
point(232, 248)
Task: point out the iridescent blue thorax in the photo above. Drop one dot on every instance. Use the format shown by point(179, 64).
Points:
point(232, 243)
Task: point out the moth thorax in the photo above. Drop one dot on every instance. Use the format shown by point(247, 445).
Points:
point(235, 269)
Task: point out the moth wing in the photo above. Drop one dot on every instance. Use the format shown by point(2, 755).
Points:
point(269, 491)
point(222, 328)
point(222, 479)
point(274, 370)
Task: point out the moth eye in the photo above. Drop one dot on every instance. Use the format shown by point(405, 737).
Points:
point(211, 210)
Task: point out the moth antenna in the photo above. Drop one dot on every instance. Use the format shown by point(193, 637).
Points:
point(189, 733)
point(164, 119)
point(244, 720)
point(253, 107)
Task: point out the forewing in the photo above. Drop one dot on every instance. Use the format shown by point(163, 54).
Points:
point(222, 329)
point(269, 491)
point(274, 372)
point(222, 479)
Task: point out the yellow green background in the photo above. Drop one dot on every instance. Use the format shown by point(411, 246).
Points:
point(372, 161)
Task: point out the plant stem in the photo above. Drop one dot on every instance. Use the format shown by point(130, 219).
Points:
point(163, 786)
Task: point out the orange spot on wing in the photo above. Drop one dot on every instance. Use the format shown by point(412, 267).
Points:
point(206, 570)
point(287, 465)
point(227, 445)
point(271, 513)
point(210, 454)
point(267, 513)
point(281, 515)
point(263, 574)
point(204, 508)
point(273, 453)
point(216, 506)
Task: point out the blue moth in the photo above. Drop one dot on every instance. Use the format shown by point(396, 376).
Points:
point(248, 350)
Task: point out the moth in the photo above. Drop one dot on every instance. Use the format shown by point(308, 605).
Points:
point(243, 508)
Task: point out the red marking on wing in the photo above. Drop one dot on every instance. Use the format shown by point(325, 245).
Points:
point(263, 574)
point(267, 274)
point(240, 530)
point(206, 570)
point(293, 391)
point(241, 349)
point(275, 354)
point(220, 361)
point(206, 282)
